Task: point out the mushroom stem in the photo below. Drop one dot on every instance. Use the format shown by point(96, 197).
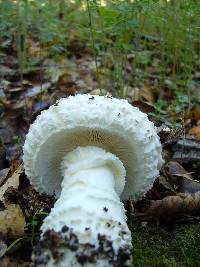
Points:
point(88, 215)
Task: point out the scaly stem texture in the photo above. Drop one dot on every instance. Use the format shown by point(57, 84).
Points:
point(90, 207)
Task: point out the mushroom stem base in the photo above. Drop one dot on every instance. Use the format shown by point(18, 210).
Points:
point(89, 213)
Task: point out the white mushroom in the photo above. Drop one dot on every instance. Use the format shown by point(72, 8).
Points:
point(90, 151)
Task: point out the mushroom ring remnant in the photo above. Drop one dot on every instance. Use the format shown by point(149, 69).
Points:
point(90, 151)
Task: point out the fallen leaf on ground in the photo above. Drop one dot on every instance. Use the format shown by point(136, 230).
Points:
point(38, 89)
point(12, 262)
point(174, 206)
point(12, 181)
point(165, 183)
point(196, 114)
point(147, 94)
point(3, 175)
point(98, 92)
point(8, 262)
point(12, 220)
point(180, 179)
point(196, 132)
point(143, 106)
point(34, 49)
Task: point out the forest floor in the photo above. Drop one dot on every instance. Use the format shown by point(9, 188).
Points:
point(166, 222)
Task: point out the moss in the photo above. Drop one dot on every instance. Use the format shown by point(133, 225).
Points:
point(156, 246)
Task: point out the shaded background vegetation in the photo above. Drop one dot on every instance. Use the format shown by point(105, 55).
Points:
point(134, 43)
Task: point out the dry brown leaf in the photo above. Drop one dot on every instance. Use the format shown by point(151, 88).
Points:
point(12, 181)
point(67, 81)
point(10, 261)
point(173, 168)
point(147, 94)
point(95, 92)
point(4, 101)
point(165, 183)
point(196, 114)
point(3, 175)
point(12, 220)
point(180, 179)
point(38, 89)
point(196, 132)
point(174, 206)
point(34, 49)
point(164, 207)
point(98, 92)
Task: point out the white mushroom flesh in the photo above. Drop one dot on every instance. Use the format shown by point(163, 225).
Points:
point(84, 120)
point(79, 149)
point(91, 208)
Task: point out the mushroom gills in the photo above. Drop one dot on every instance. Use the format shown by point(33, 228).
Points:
point(47, 164)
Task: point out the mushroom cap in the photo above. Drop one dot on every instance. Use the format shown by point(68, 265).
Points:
point(102, 121)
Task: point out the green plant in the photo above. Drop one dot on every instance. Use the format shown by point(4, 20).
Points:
point(169, 247)
point(34, 222)
point(196, 165)
point(17, 139)
point(160, 111)
point(14, 243)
